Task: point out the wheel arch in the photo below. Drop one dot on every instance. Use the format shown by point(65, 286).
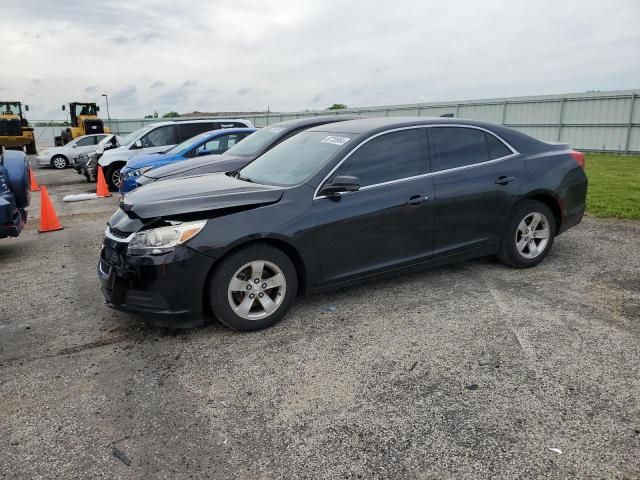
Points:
point(551, 201)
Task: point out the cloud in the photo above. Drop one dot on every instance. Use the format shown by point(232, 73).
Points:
point(120, 40)
point(125, 96)
point(277, 53)
point(91, 88)
point(145, 37)
point(36, 81)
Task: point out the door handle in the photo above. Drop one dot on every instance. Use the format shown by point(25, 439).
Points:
point(502, 180)
point(416, 200)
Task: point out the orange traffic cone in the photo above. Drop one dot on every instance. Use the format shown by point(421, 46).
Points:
point(102, 190)
point(48, 219)
point(32, 180)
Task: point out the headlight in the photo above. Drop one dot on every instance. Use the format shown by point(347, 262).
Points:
point(160, 240)
point(137, 172)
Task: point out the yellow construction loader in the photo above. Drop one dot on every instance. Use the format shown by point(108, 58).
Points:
point(15, 132)
point(84, 121)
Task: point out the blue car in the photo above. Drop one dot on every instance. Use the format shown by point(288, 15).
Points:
point(214, 142)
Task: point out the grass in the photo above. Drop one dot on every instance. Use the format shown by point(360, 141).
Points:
point(614, 185)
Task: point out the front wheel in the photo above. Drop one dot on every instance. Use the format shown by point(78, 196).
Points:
point(529, 235)
point(253, 288)
point(112, 175)
point(59, 162)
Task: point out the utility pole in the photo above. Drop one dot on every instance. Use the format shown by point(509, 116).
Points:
point(106, 97)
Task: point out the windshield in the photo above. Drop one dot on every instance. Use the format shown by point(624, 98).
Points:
point(133, 135)
point(295, 160)
point(188, 144)
point(256, 142)
point(9, 108)
point(84, 109)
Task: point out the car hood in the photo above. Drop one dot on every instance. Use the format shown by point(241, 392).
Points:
point(193, 166)
point(149, 159)
point(196, 194)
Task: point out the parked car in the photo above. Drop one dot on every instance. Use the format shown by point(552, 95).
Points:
point(60, 157)
point(335, 205)
point(240, 155)
point(157, 137)
point(206, 144)
point(15, 192)
point(79, 160)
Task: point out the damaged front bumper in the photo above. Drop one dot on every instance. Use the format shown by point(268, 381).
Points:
point(166, 289)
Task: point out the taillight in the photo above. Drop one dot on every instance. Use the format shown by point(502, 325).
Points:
point(578, 157)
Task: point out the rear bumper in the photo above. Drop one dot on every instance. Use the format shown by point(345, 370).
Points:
point(167, 290)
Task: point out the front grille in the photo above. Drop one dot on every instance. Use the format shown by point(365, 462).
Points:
point(93, 126)
point(10, 127)
point(110, 255)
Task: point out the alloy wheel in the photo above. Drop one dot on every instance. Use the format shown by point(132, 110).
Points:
point(532, 235)
point(257, 290)
point(59, 162)
point(115, 178)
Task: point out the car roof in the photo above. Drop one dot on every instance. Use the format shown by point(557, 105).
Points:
point(370, 126)
point(223, 131)
point(312, 121)
point(205, 120)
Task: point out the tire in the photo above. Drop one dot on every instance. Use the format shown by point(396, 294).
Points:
point(31, 148)
point(233, 273)
point(112, 175)
point(59, 162)
point(66, 136)
point(17, 168)
point(522, 249)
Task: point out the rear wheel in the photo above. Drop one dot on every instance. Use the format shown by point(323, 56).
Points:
point(253, 288)
point(112, 175)
point(59, 162)
point(529, 235)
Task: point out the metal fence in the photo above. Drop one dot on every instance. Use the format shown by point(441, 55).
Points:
point(593, 121)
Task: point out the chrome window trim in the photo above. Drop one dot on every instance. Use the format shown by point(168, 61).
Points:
point(108, 234)
point(514, 152)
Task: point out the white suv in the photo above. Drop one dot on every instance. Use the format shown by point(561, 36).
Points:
point(157, 137)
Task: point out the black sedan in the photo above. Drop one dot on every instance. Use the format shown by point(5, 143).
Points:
point(334, 205)
point(242, 153)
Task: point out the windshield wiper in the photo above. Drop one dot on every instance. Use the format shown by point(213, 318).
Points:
point(236, 174)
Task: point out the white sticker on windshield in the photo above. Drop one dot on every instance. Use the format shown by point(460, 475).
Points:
point(276, 130)
point(335, 140)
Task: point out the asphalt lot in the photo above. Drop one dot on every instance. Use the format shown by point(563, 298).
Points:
point(472, 370)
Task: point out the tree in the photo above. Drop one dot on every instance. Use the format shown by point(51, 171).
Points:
point(337, 106)
point(171, 114)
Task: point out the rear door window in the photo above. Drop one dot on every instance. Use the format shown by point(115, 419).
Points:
point(189, 130)
point(453, 147)
point(496, 148)
point(159, 137)
point(389, 157)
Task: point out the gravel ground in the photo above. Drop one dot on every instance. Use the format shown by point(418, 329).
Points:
point(472, 370)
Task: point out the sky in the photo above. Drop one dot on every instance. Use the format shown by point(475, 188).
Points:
point(292, 55)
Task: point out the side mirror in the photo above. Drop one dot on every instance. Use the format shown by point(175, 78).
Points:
point(63, 108)
point(97, 108)
point(341, 183)
point(202, 153)
point(137, 144)
point(74, 145)
point(26, 108)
